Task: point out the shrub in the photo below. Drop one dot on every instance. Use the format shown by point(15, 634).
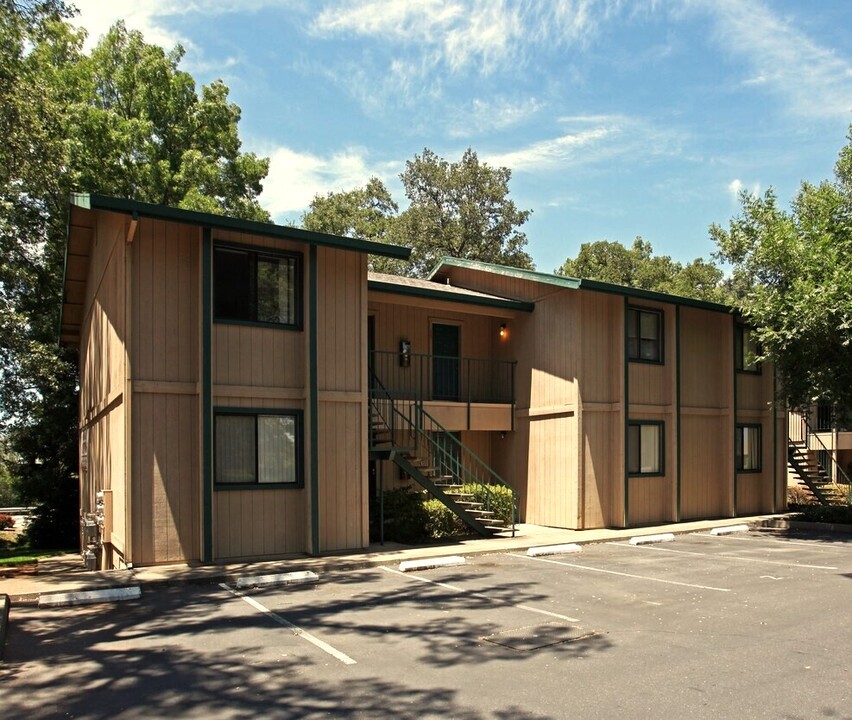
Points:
point(405, 516)
point(443, 522)
point(7, 522)
point(798, 495)
point(840, 514)
point(493, 497)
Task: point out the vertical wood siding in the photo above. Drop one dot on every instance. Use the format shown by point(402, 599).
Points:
point(166, 492)
point(102, 367)
point(707, 415)
point(342, 376)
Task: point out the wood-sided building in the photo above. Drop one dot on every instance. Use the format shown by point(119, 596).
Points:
point(229, 370)
point(223, 383)
point(630, 407)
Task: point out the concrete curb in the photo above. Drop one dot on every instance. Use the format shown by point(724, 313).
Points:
point(648, 539)
point(289, 578)
point(5, 606)
point(428, 563)
point(793, 524)
point(553, 549)
point(729, 529)
point(89, 597)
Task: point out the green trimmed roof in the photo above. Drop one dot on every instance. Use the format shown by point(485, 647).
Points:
point(573, 283)
point(415, 287)
point(163, 212)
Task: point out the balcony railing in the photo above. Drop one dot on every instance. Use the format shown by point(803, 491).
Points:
point(415, 376)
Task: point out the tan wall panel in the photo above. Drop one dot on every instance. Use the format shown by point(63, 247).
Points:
point(650, 500)
point(342, 484)
point(551, 479)
point(165, 311)
point(602, 346)
point(257, 356)
point(258, 523)
point(707, 462)
point(166, 484)
point(603, 469)
point(706, 359)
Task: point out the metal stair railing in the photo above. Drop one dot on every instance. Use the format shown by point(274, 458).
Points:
point(460, 462)
point(801, 433)
point(421, 431)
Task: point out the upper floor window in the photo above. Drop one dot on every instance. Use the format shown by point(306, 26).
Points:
point(256, 286)
point(645, 335)
point(746, 349)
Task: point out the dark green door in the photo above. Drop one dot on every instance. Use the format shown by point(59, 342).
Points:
point(445, 362)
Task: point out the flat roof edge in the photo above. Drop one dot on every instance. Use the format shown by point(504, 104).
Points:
point(392, 288)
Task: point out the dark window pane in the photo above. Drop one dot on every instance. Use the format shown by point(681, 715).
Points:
point(275, 290)
point(232, 284)
point(235, 449)
point(633, 449)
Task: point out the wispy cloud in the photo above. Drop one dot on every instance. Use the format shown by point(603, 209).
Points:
point(485, 34)
point(481, 116)
point(295, 177)
point(592, 139)
point(816, 81)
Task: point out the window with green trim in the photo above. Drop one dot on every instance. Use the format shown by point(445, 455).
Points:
point(747, 441)
point(645, 448)
point(644, 335)
point(746, 349)
point(257, 286)
point(255, 448)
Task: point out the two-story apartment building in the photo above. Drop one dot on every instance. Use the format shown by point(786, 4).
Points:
point(243, 384)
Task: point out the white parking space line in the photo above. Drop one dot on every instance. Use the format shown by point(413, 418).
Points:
point(322, 645)
point(728, 556)
point(482, 596)
point(623, 574)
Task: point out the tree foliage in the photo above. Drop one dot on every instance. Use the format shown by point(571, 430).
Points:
point(458, 209)
point(125, 121)
point(638, 267)
point(794, 273)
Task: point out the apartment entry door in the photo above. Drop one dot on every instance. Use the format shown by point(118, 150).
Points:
point(446, 364)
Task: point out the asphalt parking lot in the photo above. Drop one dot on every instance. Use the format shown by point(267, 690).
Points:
point(739, 626)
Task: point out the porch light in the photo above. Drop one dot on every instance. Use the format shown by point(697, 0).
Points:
point(503, 331)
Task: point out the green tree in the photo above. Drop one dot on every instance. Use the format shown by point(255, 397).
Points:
point(459, 209)
point(122, 121)
point(638, 267)
point(793, 270)
point(368, 213)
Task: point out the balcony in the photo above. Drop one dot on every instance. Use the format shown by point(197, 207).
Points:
point(461, 393)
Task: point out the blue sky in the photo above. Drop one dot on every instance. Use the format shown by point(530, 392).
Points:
point(617, 118)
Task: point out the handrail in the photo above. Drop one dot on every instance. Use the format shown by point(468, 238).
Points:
point(473, 472)
point(423, 428)
point(806, 432)
point(443, 377)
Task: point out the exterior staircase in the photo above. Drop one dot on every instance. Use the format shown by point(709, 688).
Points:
point(808, 471)
point(404, 433)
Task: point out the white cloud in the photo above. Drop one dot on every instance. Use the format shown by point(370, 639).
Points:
point(481, 116)
point(486, 34)
point(815, 80)
point(294, 177)
point(592, 139)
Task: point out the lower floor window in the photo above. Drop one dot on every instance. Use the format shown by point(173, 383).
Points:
point(645, 448)
point(257, 448)
point(748, 447)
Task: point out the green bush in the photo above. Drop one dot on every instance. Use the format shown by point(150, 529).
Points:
point(493, 497)
point(840, 514)
point(443, 522)
point(405, 516)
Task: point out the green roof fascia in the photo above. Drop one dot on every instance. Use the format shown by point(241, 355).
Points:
point(506, 271)
point(138, 208)
point(379, 286)
point(579, 283)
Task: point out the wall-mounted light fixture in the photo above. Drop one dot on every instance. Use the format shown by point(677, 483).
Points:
point(504, 332)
